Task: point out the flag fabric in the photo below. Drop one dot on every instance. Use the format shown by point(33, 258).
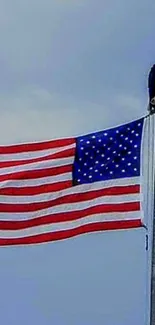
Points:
point(62, 188)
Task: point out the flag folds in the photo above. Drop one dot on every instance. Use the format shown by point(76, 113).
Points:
point(62, 188)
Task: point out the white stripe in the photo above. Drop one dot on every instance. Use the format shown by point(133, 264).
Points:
point(33, 154)
point(38, 165)
point(36, 182)
point(68, 225)
point(71, 207)
point(72, 190)
point(66, 176)
point(106, 199)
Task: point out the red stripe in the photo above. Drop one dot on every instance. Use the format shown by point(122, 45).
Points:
point(65, 234)
point(67, 199)
point(38, 173)
point(70, 216)
point(34, 206)
point(49, 188)
point(36, 146)
point(34, 190)
point(58, 155)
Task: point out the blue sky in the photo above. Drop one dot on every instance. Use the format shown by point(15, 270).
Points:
point(70, 67)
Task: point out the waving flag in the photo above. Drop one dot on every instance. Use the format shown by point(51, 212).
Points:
point(62, 188)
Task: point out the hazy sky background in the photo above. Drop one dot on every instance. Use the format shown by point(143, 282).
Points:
point(69, 67)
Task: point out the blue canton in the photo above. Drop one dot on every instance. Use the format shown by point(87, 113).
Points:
point(109, 154)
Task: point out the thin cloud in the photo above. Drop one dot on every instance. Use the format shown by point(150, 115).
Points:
point(36, 114)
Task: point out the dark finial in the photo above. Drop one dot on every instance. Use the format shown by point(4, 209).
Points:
point(151, 87)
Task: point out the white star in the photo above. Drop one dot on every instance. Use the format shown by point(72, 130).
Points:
point(85, 164)
point(135, 169)
point(131, 141)
point(132, 131)
point(91, 168)
point(80, 159)
point(117, 131)
point(135, 146)
point(96, 162)
point(111, 172)
point(84, 174)
point(102, 155)
point(93, 147)
point(81, 140)
point(102, 165)
point(111, 138)
point(123, 158)
point(88, 142)
point(126, 138)
point(93, 136)
point(123, 170)
point(129, 164)
point(120, 145)
point(99, 140)
point(78, 180)
point(135, 158)
point(79, 170)
point(105, 134)
point(86, 153)
point(137, 134)
point(96, 170)
point(82, 148)
point(117, 166)
point(108, 158)
point(90, 176)
point(129, 152)
point(98, 151)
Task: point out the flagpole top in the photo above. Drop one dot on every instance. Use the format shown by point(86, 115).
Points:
point(151, 89)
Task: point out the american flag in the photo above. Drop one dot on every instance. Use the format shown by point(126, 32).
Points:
point(62, 188)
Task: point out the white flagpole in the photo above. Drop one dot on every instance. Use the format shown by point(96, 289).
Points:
point(151, 217)
point(152, 231)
